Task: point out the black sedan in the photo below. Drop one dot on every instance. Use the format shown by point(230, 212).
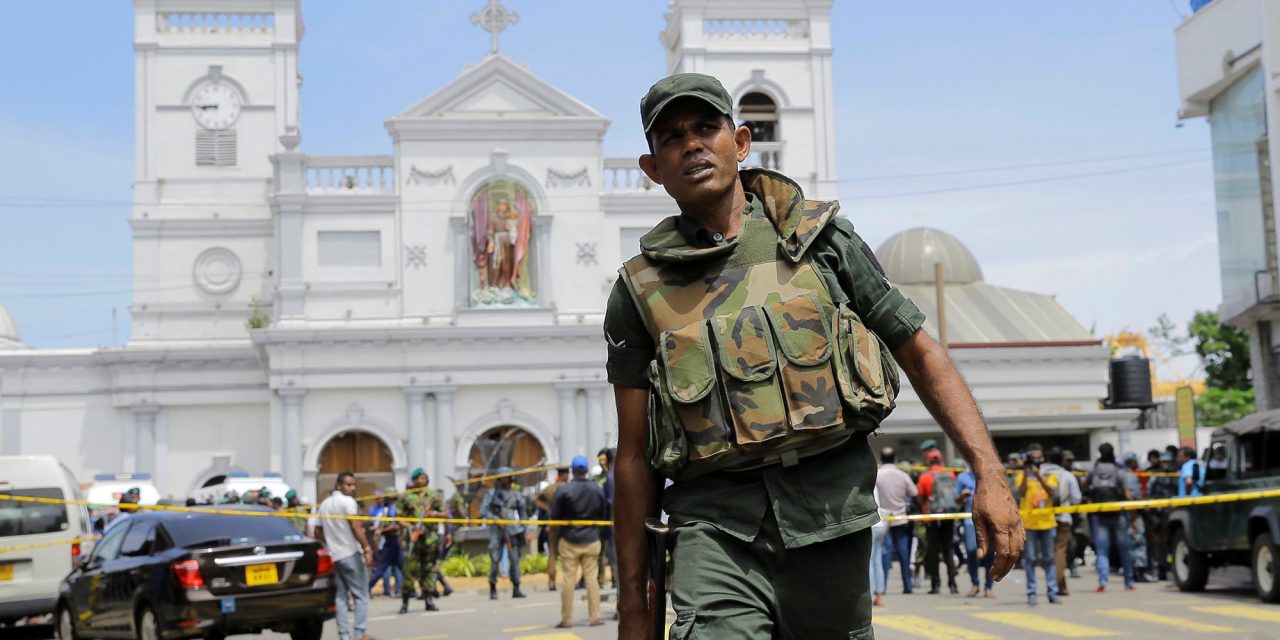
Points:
point(174, 575)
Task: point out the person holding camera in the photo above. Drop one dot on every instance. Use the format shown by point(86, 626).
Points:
point(1038, 490)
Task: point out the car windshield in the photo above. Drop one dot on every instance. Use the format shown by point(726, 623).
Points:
point(198, 530)
point(30, 518)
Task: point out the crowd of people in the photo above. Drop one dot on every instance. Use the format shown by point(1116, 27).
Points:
point(1133, 541)
point(388, 550)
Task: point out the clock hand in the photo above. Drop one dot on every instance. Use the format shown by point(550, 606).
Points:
point(206, 107)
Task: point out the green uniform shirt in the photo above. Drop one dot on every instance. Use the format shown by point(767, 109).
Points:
point(825, 496)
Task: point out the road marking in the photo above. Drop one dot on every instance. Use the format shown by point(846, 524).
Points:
point(1242, 611)
point(1156, 618)
point(529, 627)
point(424, 614)
point(437, 636)
point(551, 636)
point(926, 628)
point(530, 605)
point(1044, 624)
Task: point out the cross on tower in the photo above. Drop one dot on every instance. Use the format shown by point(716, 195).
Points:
point(494, 19)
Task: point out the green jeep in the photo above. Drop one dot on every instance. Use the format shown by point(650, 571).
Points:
point(1245, 532)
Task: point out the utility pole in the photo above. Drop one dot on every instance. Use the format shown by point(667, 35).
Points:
point(940, 289)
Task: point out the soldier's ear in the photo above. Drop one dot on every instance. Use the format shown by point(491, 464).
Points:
point(742, 139)
point(649, 165)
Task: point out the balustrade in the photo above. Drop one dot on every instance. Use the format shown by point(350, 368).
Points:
point(766, 155)
point(754, 29)
point(214, 22)
point(350, 174)
point(623, 175)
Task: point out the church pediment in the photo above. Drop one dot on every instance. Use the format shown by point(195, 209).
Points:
point(498, 88)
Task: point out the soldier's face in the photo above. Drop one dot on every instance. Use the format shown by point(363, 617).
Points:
point(420, 481)
point(696, 152)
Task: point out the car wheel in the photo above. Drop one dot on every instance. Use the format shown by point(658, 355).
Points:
point(66, 624)
point(1190, 567)
point(307, 630)
point(148, 625)
point(1263, 568)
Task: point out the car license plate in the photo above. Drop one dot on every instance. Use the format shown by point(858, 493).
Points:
point(6, 572)
point(256, 574)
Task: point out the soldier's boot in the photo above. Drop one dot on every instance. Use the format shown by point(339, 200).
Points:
point(405, 595)
point(431, 604)
point(493, 591)
point(516, 592)
point(444, 583)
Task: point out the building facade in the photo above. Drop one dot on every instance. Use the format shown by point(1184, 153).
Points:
point(439, 307)
point(1228, 53)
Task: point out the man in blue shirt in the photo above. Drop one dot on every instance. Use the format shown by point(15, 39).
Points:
point(1192, 474)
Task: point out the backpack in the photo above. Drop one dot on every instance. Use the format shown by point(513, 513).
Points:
point(943, 498)
point(1105, 483)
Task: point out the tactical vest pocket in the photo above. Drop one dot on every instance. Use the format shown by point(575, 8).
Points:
point(667, 449)
point(861, 368)
point(748, 360)
point(690, 377)
point(808, 379)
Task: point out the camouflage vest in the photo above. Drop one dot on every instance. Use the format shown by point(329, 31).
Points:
point(756, 363)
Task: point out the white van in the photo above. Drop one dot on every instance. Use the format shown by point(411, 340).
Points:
point(242, 482)
point(39, 542)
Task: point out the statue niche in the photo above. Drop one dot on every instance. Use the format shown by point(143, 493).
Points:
point(501, 222)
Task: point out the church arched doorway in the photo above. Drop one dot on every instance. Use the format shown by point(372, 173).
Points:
point(361, 453)
point(760, 114)
point(505, 446)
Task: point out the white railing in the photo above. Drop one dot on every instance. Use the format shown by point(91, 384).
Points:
point(755, 29)
point(214, 22)
point(350, 174)
point(623, 175)
point(767, 155)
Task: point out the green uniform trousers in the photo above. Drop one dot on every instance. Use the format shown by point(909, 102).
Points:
point(725, 588)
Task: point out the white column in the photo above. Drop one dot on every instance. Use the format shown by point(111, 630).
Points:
point(10, 432)
point(416, 398)
point(129, 445)
point(595, 420)
point(568, 423)
point(444, 439)
point(144, 438)
point(291, 435)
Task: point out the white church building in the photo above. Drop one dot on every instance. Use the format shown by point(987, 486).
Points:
point(441, 306)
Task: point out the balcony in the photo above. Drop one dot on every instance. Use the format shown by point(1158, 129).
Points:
point(766, 155)
point(349, 175)
point(623, 175)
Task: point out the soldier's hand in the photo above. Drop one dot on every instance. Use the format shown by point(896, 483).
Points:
point(998, 525)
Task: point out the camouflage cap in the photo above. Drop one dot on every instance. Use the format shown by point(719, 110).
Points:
point(682, 85)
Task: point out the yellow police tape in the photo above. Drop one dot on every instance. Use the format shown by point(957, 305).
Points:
point(1095, 507)
point(55, 543)
point(1140, 474)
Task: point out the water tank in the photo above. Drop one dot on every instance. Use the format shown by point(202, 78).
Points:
point(1130, 383)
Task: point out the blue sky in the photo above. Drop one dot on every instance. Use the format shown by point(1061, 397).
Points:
point(921, 87)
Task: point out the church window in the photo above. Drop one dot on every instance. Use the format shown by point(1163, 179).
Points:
point(216, 148)
point(500, 233)
point(349, 249)
point(760, 114)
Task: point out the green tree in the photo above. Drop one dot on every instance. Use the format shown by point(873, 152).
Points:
point(1223, 351)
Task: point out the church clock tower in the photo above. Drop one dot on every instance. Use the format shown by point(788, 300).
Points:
point(216, 94)
point(774, 57)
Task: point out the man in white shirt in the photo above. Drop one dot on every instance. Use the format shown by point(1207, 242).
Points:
point(1068, 494)
point(351, 554)
point(895, 488)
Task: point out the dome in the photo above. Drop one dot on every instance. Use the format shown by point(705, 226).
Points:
point(908, 258)
point(8, 330)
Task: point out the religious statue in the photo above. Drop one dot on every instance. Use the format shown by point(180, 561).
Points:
point(501, 229)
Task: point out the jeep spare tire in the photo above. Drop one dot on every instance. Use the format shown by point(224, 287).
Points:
point(1190, 567)
point(1262, 565)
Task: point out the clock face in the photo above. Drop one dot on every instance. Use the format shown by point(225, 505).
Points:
point(215, 106)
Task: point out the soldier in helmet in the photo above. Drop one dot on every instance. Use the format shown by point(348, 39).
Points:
point(504, 502)
point(763, 333)
point(420, 542)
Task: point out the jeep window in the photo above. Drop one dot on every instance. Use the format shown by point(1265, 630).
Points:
point(1216, 465)
point(1259, 454)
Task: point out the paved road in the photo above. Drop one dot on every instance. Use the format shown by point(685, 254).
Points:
point(1227, 609)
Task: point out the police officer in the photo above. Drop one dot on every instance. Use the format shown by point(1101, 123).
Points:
point(504, 502)
point(751, 291)
point(420, 542)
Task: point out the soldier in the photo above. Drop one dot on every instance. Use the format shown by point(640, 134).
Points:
point(505, 502)
point(420, 543)
point(759, 327)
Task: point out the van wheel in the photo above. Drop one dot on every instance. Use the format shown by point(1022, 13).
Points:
point(148, 625)
point(307, 630)
point(1190, 567)
point(66, 624)
point(1263, 568)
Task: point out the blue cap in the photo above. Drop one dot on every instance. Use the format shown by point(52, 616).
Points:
point(579, 463)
